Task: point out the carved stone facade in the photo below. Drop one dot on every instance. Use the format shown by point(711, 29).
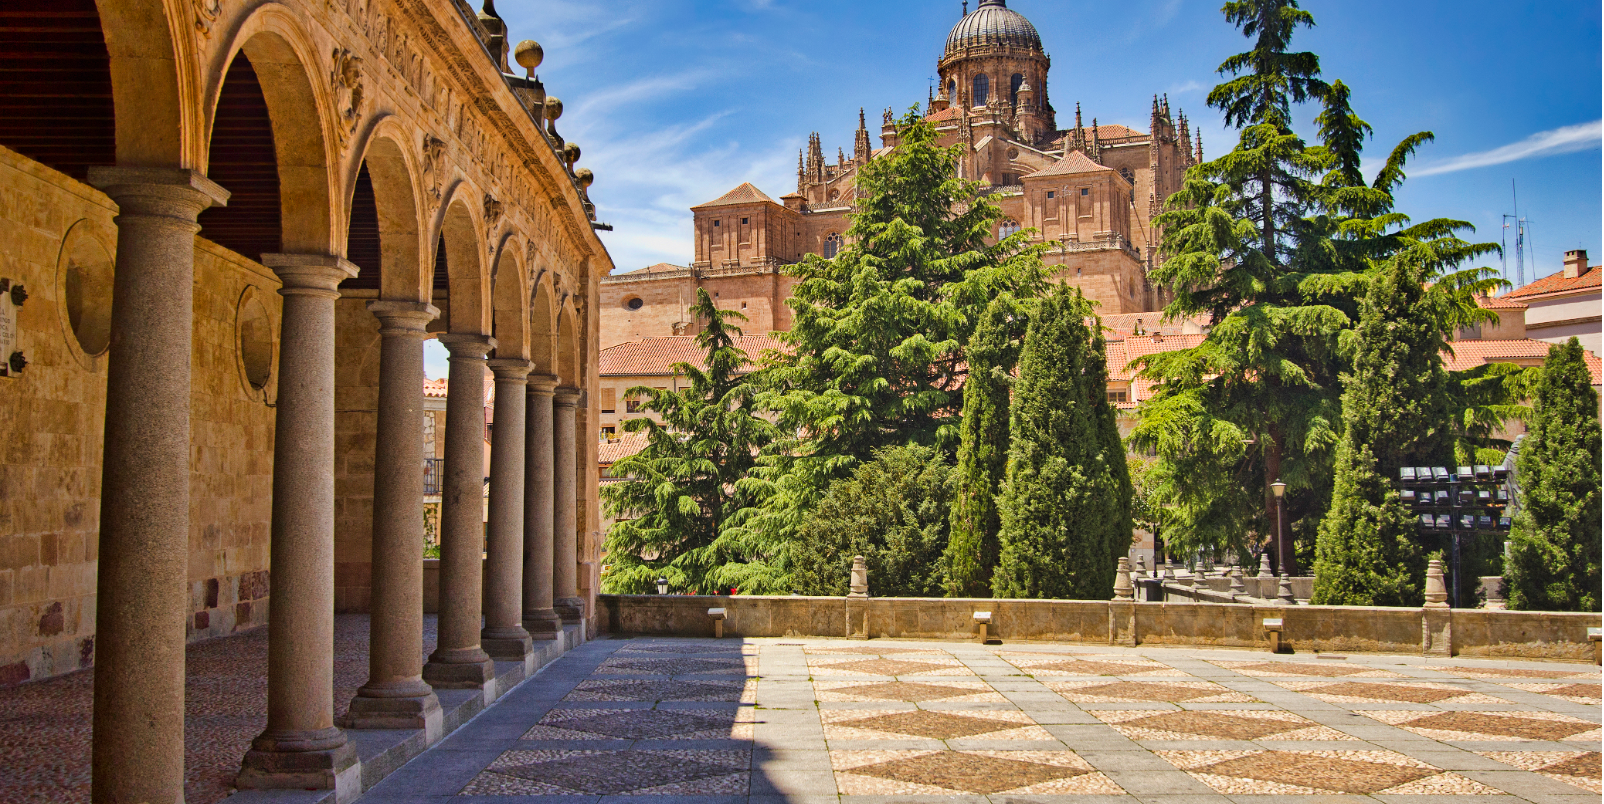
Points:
point(1089, 192)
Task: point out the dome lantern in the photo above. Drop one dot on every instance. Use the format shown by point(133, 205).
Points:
point(993, 24)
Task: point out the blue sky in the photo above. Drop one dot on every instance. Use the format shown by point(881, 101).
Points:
point(676, 101)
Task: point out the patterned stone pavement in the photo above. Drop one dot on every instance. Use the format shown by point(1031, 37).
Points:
point(665, 721)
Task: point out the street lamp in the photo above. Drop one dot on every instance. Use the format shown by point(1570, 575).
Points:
point(1280, 490)
point(662, 586)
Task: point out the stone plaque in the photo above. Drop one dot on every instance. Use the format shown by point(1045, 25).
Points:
point(8, 327)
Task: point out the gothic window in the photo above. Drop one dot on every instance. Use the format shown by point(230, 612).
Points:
point(1007, 228)
point(982, 89)
point(1013, 88)
point(1130, 175)
point(952, 90)
point(832, 246)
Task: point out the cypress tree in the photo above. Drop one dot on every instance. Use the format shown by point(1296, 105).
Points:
point(1066, 505)
point(1394, 414)
point(1554, 561)
point(682, 488)
point(983, 449)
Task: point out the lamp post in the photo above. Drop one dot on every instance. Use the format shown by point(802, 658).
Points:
point(1280, 490)
point(662, 586)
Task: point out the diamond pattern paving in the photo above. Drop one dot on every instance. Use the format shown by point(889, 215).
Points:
point(1389, 692)
point(1321, 772)
point(635, 724)
point(878, 716)
point(1148, 691)
point(885, 667)
point(909, 691)
point(934, 725)
point(613, 773)
point(1500, 725)
point(971, 773)
point(1217, 724)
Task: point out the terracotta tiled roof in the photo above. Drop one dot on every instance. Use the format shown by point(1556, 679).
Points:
point(1119, 326)
point(617, 449)
point(654, 356)
point(1076, 162)
point(747, 193)
point(1555, 283)
point(435, 389)
point(1120, 354)
point(1470, 354)
point(949, 113)
point(1499, 303)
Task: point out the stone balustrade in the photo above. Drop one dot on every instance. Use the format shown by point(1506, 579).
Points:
point(1420, 631)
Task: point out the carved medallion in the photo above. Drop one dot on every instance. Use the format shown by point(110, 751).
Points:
point(206, 14)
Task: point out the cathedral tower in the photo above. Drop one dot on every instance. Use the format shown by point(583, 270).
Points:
point(994, 60)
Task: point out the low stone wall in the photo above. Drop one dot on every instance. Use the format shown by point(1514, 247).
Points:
point(1435, 632)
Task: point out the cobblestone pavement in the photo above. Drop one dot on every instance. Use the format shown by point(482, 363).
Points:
point(770, 721)
point(45, 726)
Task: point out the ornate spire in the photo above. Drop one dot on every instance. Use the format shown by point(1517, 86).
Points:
point(1078, 139)
point(861, 148)
point(1097, 145)
point(1200, 147)
point(801, 171)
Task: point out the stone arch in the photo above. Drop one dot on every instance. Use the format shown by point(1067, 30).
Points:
point(159, 122)
point(543, 325)
point(568, 363)
point(281, 54)
point(510, 303)
point(393, 177)
point(468, 294)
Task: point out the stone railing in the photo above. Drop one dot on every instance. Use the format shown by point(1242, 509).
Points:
point(1418, 631)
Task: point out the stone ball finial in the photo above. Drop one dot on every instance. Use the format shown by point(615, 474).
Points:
point(572, 152)
point(529, 54)
point(554, 109)
point(586, 178)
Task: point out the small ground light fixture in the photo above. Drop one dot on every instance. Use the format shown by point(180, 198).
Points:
point(662, 586)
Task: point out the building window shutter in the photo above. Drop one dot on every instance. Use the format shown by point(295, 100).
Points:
point(609, 400)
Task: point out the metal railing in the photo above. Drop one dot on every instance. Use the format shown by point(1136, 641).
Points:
point(433, 473)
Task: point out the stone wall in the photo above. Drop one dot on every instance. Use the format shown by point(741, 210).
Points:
point(1480, 633)
point(57, 233)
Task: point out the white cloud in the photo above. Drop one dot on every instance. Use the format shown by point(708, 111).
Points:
point(1569, 139)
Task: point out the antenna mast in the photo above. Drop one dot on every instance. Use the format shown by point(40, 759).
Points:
point(1522, 231)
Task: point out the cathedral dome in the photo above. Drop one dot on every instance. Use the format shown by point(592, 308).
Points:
point(993, 24)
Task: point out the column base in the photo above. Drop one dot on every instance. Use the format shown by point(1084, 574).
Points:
point(570, 609)
point(396, 707)
point(460, 669)
point(506, 644)
point(543, 624)
point(320, 760)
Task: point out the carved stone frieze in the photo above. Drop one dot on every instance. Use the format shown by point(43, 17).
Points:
point(206, 14)
point(346, 80)
point(434, 169)
point(493, 210)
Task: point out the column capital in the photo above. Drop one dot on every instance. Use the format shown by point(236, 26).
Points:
point(310, 274)
point(568, 397)
point(542, 384)
point(467, 346)
point(403, 318)
point(167, 192)
point(509, 369)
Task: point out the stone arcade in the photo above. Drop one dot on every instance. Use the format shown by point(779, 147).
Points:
point(375, 164)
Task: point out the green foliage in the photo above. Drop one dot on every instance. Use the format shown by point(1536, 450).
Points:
point(1275, 242)
point(1393, 414)
point(983, 448)
point(879, 331)
point(682, 489)
point(1066, 505)
point(893, 511)
point(1554, 562)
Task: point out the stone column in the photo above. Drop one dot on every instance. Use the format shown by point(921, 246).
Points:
point(565, 544)
point(142, 590)
point(504, 636)
point(540, 619)
point(396, 696)
point(301, 747)
point(459, 661)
